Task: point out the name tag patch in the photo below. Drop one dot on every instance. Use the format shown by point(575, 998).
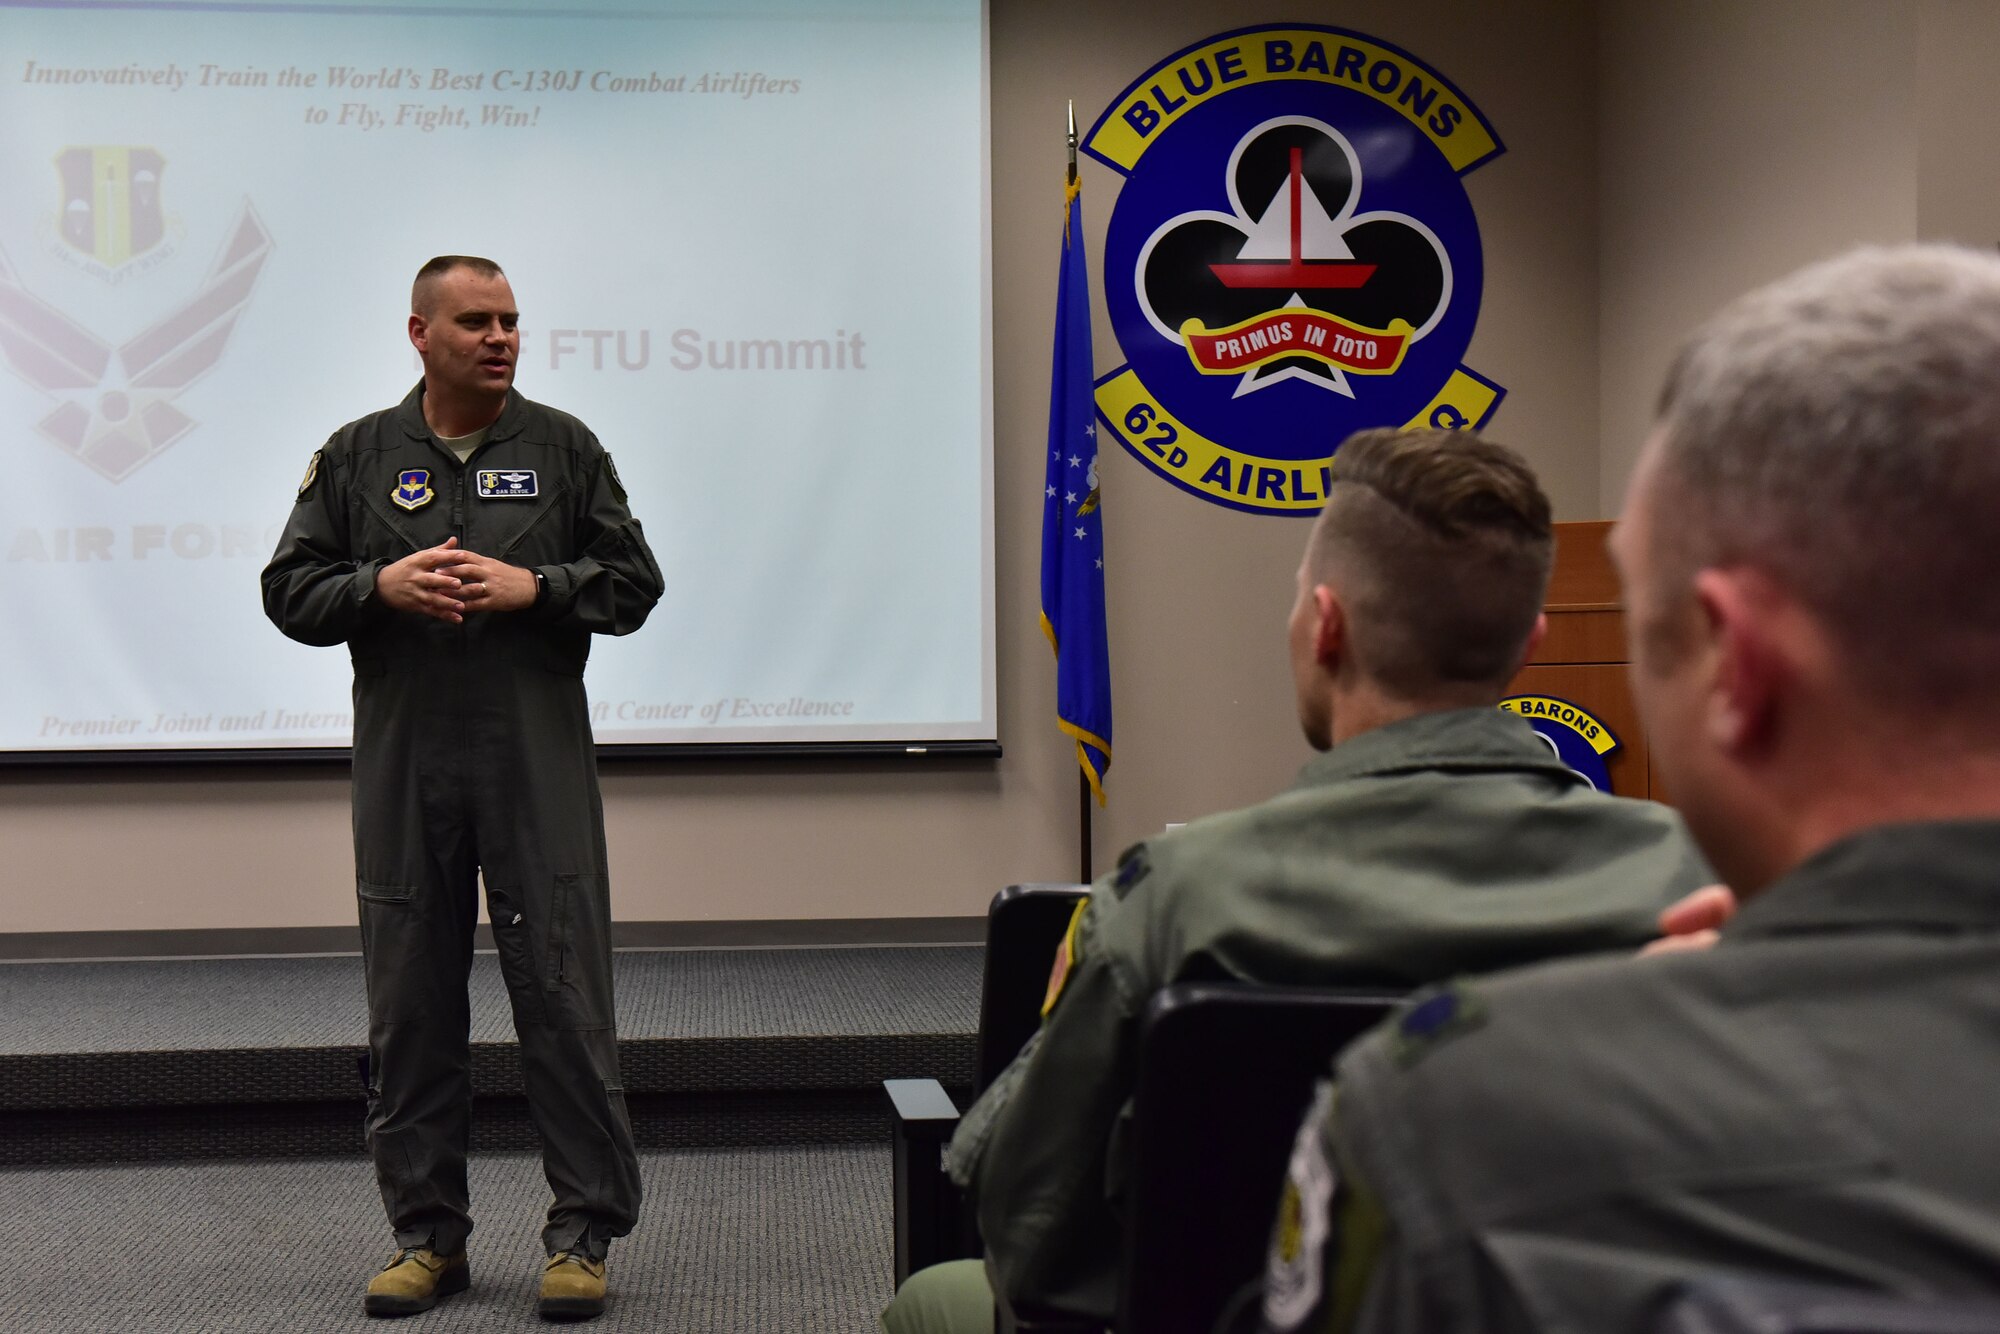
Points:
point(507, 483)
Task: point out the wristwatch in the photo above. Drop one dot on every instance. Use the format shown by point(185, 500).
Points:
point(541, 588)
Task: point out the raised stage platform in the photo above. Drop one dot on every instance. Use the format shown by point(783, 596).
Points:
point(260, 1057)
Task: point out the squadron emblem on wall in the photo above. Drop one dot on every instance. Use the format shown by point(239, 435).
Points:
point(1292, 258)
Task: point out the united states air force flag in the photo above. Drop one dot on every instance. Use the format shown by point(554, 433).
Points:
point(1073, 521)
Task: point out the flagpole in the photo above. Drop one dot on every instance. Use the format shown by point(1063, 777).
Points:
point(1082, 783)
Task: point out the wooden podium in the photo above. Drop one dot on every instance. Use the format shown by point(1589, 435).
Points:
point(1582, 659)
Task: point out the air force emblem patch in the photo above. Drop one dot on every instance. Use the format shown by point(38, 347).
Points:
point(413, 489)
point(507, 483)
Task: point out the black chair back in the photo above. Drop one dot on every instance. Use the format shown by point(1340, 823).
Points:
point(1226, 1070)
point(1024, 925)
point(1742, 1304)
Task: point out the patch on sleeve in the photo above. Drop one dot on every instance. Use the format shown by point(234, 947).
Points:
point(611, 475)
point(1446, 1013)
point(1068, 955)
point(1132, 868)
point(1295, 1274)
point(312, 474)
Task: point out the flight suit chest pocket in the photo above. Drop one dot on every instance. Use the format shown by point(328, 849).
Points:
point(383, 533)
point(532, 531)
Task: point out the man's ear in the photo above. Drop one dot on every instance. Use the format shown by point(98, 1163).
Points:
point(1535, 638)
point(419, 333)
point(1744, 669)
point(1329, 628)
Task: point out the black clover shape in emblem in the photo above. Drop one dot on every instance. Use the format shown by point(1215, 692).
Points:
point(1294, 284)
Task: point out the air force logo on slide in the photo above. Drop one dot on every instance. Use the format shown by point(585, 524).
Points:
point(115, 394)
point(1292, 258)
point(507, 484)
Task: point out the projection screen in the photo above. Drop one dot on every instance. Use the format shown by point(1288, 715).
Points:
point(749, 246)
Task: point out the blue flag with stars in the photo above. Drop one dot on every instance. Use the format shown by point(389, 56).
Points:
point(1073, 520)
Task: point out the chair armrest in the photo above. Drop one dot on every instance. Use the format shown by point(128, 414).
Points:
point(929, 1209)
point(922, 1106)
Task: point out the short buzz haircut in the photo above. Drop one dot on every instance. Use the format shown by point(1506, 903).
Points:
point(1840, 430)
point(434, 269)
point(1438, 543)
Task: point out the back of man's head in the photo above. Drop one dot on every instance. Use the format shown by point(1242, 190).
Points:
point(1437, 544)
point(1840, 430)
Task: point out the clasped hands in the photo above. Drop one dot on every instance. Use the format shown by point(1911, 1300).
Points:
point(445, 582)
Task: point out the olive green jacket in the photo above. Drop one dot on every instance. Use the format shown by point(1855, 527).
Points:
point(1445, 843)
point(1813, 1098)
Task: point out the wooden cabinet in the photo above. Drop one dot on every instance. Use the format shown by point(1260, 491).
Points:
point(1582, 659)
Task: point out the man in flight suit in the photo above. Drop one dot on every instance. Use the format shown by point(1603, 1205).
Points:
point(1437, 833)
point(1812, 582)
point(465, 545)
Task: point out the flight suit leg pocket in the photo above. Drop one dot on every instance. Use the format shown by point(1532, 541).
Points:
point(393, 953)
point(622, 1189)
point(514, 942)
point(576, 975)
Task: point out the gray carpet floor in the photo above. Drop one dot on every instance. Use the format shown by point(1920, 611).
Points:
point(745, 1241)
point(197, 1004)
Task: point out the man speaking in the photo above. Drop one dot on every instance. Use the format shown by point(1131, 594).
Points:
point(465, 545)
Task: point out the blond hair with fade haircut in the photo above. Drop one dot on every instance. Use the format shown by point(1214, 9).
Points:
point(1440, 545)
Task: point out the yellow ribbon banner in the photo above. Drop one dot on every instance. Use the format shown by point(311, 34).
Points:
point(1236, 478)
point(1562, 711)
point(1391, 77)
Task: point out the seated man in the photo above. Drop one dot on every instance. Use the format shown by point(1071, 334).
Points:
point(1812, 574)
point(1437, 835)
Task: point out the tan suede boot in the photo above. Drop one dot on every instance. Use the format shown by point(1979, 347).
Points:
point(414, 1279)
point(572, 1287)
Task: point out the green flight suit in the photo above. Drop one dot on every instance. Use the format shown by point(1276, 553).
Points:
point(473, 757)
point(1555, 1149)
point(1443, 843)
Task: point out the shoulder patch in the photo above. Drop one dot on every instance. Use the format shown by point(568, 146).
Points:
point(312, 474)
point(1294, 1278)
point(1437, 1017)
point(1132, 868)
point(611, 475)
point(1068, 955)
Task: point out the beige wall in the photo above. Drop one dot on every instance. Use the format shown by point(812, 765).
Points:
point(1736, 142)
point(1661, 154)
point(1958, 108)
